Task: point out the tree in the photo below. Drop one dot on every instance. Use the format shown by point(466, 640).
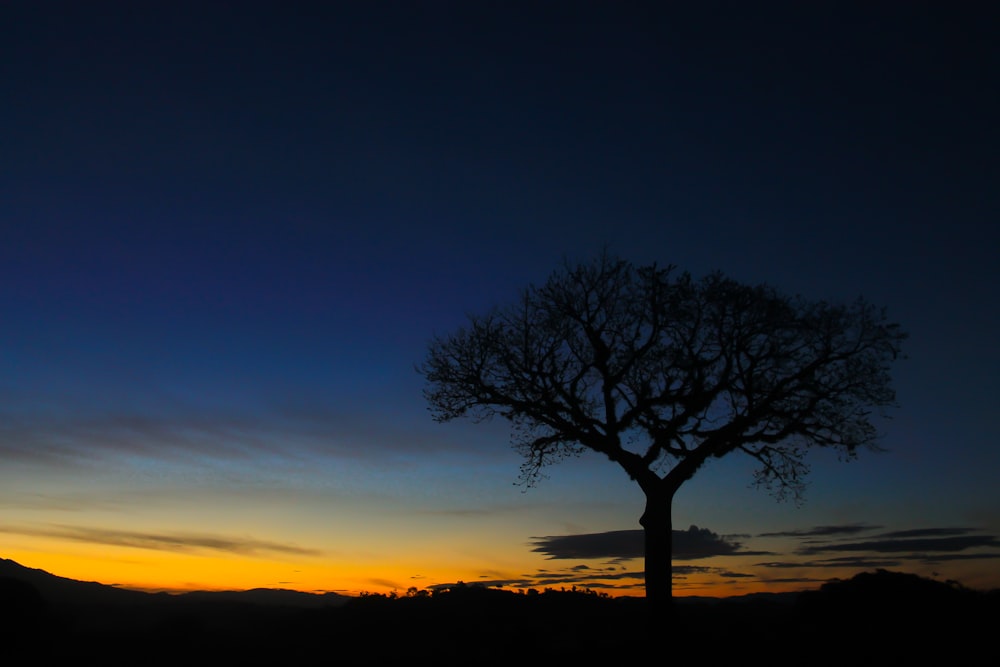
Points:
point(661, 372)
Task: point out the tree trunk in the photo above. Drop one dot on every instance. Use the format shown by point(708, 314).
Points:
point(658, 529)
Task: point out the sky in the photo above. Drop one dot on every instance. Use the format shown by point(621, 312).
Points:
point(229, 230)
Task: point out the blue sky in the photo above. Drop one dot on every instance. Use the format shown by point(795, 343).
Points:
point(227, 233)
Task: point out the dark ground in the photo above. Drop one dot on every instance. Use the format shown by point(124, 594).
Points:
point(879, 618)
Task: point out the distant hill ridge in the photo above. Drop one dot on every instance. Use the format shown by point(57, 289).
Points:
point(61, 591)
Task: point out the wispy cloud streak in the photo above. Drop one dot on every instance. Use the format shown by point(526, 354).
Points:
point(172, 542)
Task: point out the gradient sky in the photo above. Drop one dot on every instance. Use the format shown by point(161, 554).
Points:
point(228, 231)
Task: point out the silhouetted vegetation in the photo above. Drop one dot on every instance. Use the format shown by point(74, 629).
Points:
point(882, 617)
point(661, 372)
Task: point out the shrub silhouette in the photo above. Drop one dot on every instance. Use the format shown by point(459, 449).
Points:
point(881, 591)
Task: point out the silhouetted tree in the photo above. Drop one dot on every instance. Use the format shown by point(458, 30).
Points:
point(661, 372)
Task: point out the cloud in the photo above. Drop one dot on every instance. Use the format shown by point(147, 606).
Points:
point(827, 545)
point(925, 532)
point(75, 435)
point(729, 574)
point(818, 531)
point(953, 540)
point(173, 542)
point(691, 544)
point(387, 583)
point(860, 562)
point(78, 438)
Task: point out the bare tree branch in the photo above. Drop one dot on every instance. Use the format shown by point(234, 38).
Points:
point(660, 372)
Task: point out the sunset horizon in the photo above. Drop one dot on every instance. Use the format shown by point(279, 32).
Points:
point(685, 589)
point(705, 576)
point(726, 273)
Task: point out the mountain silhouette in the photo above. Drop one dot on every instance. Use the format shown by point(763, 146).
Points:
point(61, 591)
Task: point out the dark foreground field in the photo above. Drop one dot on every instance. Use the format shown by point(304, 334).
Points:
point(879, 618)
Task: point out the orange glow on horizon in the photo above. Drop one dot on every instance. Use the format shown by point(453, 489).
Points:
point(181, 573)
